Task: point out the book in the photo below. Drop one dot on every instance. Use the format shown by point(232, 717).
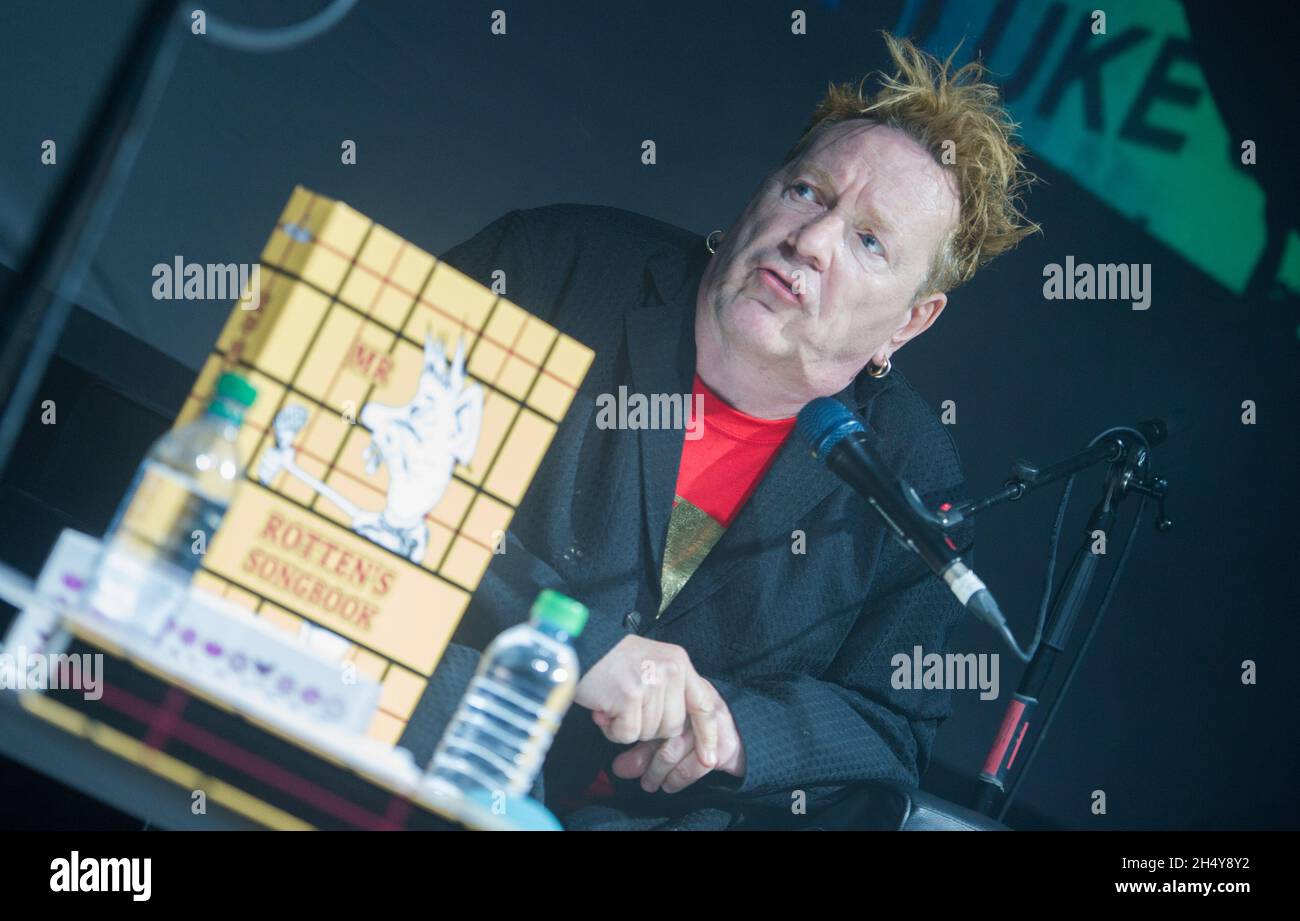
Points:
point(402, 411)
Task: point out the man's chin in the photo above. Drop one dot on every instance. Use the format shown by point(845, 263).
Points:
point(756, 329)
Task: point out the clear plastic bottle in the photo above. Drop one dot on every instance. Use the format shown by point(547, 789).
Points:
point(170, 514)
point(512, 709)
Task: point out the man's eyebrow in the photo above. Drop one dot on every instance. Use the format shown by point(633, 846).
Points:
point(823, 177)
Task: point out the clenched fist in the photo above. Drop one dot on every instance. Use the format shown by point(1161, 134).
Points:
point(644, 689)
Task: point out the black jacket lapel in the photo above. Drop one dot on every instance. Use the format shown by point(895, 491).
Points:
point(661, 358)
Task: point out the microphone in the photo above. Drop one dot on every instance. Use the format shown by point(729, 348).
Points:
point(839, 439)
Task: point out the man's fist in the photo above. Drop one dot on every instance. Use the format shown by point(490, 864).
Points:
point(644, 689)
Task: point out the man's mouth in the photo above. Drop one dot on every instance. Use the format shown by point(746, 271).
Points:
point(779, 284)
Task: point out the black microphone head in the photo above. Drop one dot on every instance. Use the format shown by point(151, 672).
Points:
point(825, 422)
point(1153, 430)
point(1172, 422)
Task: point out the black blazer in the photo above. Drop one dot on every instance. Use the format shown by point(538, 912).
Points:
point(798, 644)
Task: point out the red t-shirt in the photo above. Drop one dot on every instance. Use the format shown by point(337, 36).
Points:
point(723, 467)
point(719, 471)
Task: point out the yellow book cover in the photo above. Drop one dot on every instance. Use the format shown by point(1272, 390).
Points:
point(402, 410)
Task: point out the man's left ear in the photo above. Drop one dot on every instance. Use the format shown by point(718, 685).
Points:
point(922, 315)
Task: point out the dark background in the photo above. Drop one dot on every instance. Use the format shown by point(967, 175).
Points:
point(455, 126)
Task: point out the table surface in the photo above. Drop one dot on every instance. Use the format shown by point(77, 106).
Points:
point(86, 767)
point(81, 764)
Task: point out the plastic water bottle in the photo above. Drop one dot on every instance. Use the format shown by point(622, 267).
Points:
point(512, 709)
point(175, 504)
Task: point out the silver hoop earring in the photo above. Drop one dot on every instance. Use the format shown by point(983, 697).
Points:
point(711, 241)
point(876, 370)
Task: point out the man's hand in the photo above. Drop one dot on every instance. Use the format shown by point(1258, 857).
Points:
point(672, 764)
point(646, 690)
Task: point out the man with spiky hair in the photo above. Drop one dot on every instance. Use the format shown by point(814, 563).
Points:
point(746, 605)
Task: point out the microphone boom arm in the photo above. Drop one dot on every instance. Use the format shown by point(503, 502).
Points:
point(1110, 447)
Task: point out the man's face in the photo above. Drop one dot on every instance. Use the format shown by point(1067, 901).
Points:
point(819, 273)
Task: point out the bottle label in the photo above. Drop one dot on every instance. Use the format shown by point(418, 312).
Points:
point(169, 519)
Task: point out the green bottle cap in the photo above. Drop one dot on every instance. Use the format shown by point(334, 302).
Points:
point(560, 611)
point(236, 388)
point(232, 397)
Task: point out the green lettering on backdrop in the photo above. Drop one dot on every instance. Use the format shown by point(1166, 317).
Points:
point(1127, 114)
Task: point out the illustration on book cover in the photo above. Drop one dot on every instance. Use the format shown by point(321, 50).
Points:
point(420, 443)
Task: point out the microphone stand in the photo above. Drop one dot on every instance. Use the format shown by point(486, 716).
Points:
point(1127, 451)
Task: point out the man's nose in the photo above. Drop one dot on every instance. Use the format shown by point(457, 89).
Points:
point(812, 241)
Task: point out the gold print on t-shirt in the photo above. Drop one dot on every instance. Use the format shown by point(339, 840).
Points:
point(691, 535)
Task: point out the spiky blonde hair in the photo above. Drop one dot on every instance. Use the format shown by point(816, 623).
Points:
point(931, 105)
